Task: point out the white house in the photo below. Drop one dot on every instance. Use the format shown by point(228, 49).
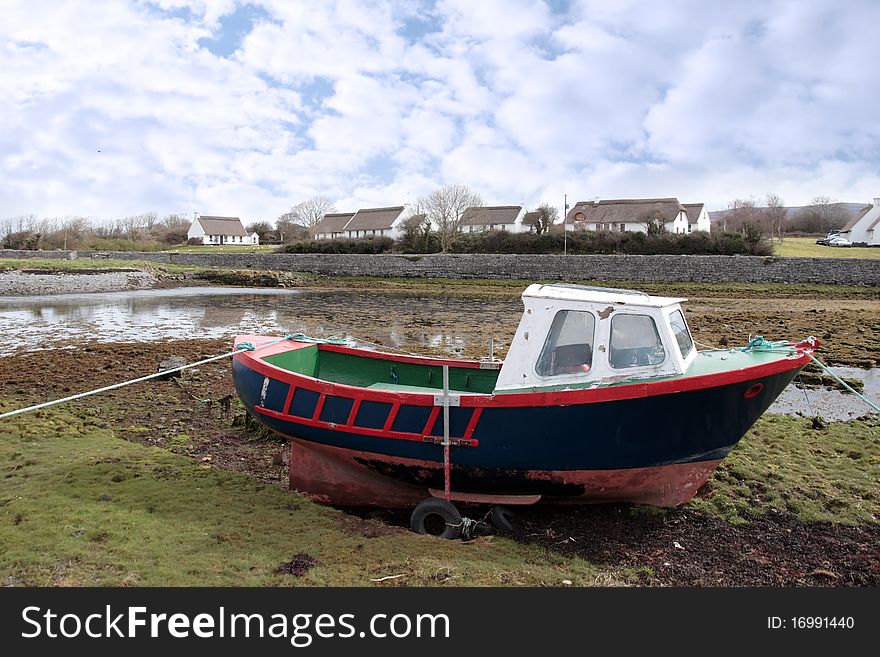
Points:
point(378, 222)
point(332, 225)
point(634, 214)
point(698, 218)
point(494, 217)
point(220, 230)
point(865, 225)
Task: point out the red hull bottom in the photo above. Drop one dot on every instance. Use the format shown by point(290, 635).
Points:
point(337, 476)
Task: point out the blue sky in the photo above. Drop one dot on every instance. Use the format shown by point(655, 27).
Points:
point(246, 108)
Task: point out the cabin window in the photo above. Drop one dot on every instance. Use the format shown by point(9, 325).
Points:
point(634, 342)
point(569, 345)
point(681, 333)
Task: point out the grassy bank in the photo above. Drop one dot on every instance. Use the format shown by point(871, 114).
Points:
point(806, 247)
point(474, 286)
point(81, 507)
point(226, 248)
point(81, 264)
point(829, 474)
point(515, 287)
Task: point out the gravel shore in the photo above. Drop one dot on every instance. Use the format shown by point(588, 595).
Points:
point(46, 281)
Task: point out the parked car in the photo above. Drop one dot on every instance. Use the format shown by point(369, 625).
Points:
point(824, 240)
point(839, 241)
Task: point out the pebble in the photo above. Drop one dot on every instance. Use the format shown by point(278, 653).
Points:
point(17, 282)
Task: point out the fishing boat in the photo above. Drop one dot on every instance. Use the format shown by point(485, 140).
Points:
point(602, 396)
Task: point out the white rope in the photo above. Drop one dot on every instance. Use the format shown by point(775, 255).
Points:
point(844, 383)
point(242, 347)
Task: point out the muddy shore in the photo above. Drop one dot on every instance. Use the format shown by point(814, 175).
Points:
point(46, 281)
point(198, 416)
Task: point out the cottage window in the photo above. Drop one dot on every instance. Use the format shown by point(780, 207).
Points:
point(681, 333)
point(569, 345)
point(634, 342)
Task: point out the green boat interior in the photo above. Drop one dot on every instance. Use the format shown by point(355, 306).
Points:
point(379, 374)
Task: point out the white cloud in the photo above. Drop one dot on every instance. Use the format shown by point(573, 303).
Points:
point(378, 102)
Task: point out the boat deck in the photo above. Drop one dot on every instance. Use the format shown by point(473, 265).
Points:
point(377, 371)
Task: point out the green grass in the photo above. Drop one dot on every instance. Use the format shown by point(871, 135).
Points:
point(226, 248)
point(87, 263)
point(81, 507)
point(514, 287)
point(829, 474)
point(806, 247)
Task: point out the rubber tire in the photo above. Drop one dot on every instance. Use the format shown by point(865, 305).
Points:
point(502, 519)
point(436, 506)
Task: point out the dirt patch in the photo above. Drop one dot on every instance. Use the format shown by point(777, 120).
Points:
point(197, 414)
point(367, 527)
point(670, 547)
point(298, 566)
point(680, 547)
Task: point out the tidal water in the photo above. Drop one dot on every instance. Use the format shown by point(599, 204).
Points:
point(431, 323)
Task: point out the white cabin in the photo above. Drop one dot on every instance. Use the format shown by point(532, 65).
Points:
point(578, 336)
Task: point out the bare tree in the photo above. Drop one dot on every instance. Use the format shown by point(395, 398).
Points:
point(776, 214)
point(654, 222)
point(149, 221)
point(821, 215)
point(308, 213)
point(542, 218)
point(137, 225)
point(284, 226)
point(444, 208)
point(416, 235)
point(261, 228)
point(75, 231)
point(175, 220)
point(739, 213)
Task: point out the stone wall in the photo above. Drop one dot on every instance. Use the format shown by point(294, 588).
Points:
point(669, 268)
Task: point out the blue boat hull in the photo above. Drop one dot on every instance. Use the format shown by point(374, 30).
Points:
point(656, 449)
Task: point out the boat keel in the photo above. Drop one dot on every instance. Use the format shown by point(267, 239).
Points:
point(346, 477)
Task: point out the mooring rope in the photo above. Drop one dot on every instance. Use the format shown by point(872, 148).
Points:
point(242, 346)
point(758, 343)
point(844, 383)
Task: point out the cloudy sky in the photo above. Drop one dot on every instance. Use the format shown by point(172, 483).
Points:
point(245, 108)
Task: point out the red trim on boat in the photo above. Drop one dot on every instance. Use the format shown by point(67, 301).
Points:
point(472, 423)
point(432, 418)
point(313, 422)
point(392, 415)
point(288, 400)
point(753, 390)
point(319, 407)
point(525, 399)
point(354, 412)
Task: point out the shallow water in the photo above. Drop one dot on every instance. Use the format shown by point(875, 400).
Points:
point(396, 320)
point(831, 404)
point(430, 323)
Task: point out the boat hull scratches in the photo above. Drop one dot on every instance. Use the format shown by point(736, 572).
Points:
point(348, 477)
